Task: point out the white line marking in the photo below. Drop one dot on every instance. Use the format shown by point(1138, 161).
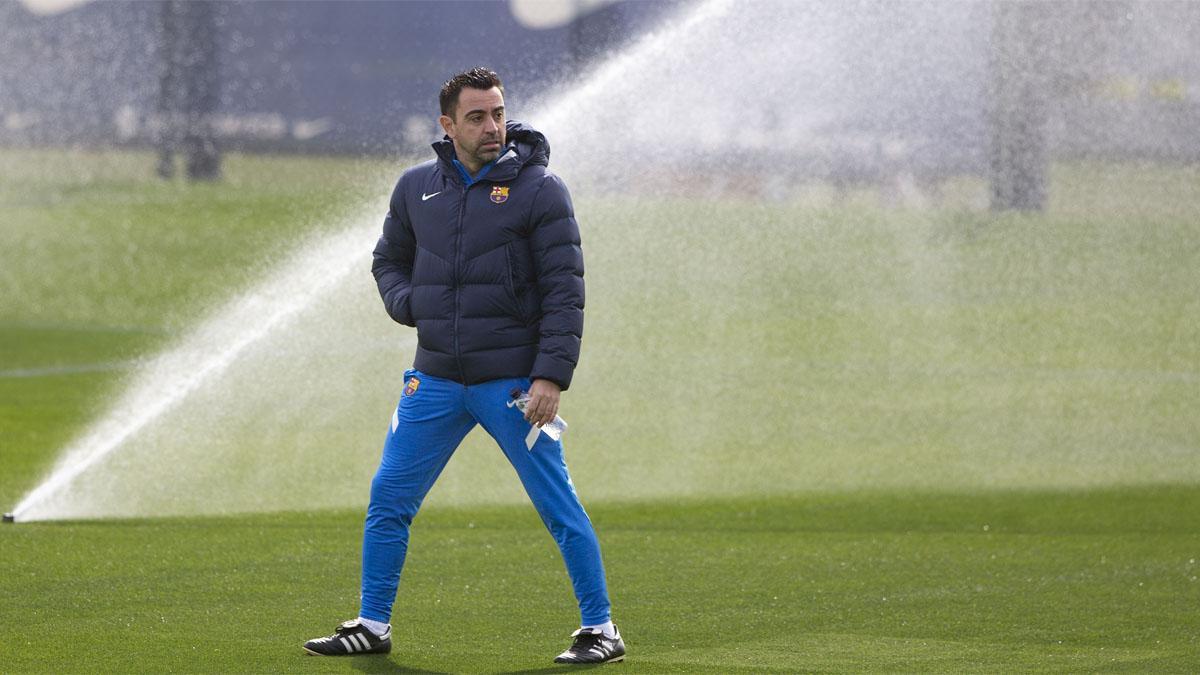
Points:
point(76, 369)
point(60, 327)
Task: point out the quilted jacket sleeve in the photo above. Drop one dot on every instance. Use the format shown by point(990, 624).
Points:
point(558, 264)
point(393, 260)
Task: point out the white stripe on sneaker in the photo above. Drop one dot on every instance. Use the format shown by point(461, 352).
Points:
point(348, 647)
point(363, 640)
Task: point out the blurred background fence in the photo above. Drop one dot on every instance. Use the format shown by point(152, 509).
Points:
point(908, 92)
point(329, 77)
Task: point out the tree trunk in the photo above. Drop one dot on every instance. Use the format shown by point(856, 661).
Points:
point(1019, 104)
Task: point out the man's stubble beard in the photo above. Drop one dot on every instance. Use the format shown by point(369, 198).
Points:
point(485, 156)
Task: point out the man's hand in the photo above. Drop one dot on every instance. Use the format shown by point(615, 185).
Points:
point(543, 402)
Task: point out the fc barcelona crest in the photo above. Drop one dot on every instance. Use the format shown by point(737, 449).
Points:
point(499, 194)
point(411, 387)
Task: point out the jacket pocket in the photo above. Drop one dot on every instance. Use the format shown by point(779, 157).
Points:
point(415, 277)
point(510, 284)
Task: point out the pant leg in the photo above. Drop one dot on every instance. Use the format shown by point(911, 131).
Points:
point(429, 423)
point(543, 472)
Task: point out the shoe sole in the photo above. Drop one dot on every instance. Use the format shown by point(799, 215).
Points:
point(615, 659)
point(312, 653)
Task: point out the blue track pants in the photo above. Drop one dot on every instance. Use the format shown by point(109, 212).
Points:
point(433, 417)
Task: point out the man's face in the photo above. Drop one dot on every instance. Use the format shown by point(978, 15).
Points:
point(477, 127)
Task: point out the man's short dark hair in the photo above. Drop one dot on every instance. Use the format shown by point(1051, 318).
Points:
point(475, 78)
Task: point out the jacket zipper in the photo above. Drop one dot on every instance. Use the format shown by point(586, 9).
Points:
point(462, 212)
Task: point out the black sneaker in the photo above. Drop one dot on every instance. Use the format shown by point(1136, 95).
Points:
point(350, 638)
point(592, 647)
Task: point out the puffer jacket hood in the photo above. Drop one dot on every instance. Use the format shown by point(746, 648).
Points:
point(490, 272)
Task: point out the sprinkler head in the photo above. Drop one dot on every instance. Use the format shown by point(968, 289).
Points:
point(8, 518)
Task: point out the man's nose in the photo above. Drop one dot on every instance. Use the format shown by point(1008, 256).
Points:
point(491, 125)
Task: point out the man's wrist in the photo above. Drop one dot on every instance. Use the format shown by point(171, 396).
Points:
point(548, 381)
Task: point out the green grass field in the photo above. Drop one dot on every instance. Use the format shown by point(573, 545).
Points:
point(813, 436)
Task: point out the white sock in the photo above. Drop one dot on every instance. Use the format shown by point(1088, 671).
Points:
point(379, 628)
point(607, 628)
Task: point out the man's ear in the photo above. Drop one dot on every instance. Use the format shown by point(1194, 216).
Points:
point(447, 125)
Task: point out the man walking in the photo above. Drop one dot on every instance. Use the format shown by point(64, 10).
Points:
point(480, 252)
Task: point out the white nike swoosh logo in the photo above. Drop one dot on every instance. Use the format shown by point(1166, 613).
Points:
point(425, 197)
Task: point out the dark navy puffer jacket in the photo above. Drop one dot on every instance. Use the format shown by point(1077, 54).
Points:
point(491, 274)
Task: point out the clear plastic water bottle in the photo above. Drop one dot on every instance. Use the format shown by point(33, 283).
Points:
point(555, 429)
